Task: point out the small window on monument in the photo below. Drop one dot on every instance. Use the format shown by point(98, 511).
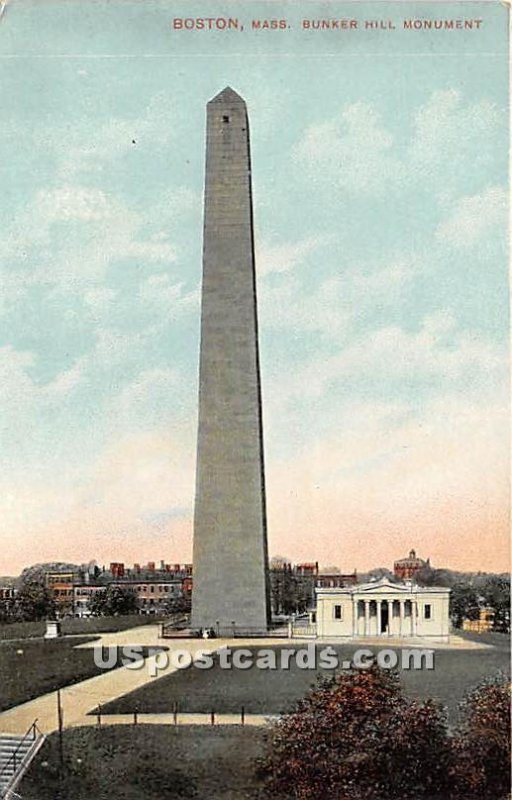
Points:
point(225, 119)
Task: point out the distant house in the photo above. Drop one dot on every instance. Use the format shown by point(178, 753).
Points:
point(61, 585)
point(331, 580)
point(153, 585)
point(405, 569)
point(483, 624)
point(82, 593)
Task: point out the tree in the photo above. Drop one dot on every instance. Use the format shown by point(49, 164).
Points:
point(290, 593)
point(496, 594)
point(177, 605)
point(428, 576)
point(113, 601)
point(38, 572)
point(34, 601)
point(464, 603)
point(481, 747)
point(378, 573)
point(355, 736)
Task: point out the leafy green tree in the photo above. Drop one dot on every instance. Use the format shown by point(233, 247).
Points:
point(290, 592)
point(356, 736)
point(34, 601)
point(177, 605)
point(378, 573)
point(496, 594)
point(464, 603)
point(113, 601)
point(428, 576)
point(481, 747)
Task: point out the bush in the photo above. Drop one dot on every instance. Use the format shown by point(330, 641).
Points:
point(356, 736)
point(481, 747)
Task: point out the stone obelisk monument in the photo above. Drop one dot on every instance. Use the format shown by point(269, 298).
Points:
point(230, 532)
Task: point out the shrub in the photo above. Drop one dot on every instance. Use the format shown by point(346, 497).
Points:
point(356, 736)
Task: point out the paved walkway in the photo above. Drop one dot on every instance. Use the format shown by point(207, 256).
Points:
point(78, 700)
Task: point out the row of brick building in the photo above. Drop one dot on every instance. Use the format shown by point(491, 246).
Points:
point(153, 586)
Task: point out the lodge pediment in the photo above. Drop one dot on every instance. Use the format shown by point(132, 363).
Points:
point(382, 587)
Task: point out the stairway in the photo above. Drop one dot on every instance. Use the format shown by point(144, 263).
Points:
point(16, 753)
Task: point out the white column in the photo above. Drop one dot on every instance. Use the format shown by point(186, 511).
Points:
point(355, 617)
point(379, 617)
point(366, 617)
point(401, 617)
point(414, 612)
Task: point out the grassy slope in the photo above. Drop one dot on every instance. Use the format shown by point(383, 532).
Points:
point(275, 691)
point(33, 667)
point(27, 630)
point(148, 762)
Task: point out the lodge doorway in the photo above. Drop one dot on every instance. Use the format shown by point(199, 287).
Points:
point(384, 617)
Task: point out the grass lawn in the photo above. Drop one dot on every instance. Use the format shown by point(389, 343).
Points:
point(27, 630)
point(275, 691)
point(148, 762)
point(34, 667)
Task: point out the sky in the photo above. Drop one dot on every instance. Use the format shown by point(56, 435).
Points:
point(380, 189)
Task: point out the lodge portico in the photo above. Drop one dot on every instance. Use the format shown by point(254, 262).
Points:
point(393, 617)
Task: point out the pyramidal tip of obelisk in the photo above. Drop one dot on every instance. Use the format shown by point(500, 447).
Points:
point(228, 95)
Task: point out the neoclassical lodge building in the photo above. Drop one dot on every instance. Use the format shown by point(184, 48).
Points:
point(383, 608)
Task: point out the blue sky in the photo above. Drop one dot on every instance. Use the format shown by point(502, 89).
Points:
point(380, 186)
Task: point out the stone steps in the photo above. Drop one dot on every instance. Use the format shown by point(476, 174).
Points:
point(16, 752)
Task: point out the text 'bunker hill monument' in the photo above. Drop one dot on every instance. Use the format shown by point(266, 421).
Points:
point(230, 529)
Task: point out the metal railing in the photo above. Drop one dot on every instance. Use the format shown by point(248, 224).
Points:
point(174, 627)
point(176, 631)
point(15, 759)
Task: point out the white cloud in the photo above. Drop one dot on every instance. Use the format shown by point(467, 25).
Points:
point(163, 296)
point(28, 404)
point(329, 307)
point(66, 240)
point(64, 383)
point(474, 218)
point(283, 257)
point(147, 401)
point(99, 300)
point(72, 202)
point(352, 151)
point(438, 354)
point(452, 134)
